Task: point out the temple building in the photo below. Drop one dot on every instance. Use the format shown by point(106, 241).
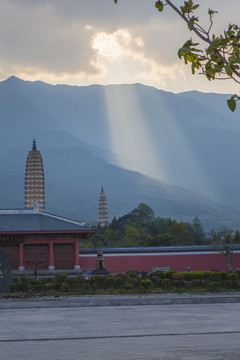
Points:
point(34, 179)
point(36, 240)
point(103, 209)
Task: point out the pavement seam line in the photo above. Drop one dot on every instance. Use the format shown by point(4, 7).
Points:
point(121, 336)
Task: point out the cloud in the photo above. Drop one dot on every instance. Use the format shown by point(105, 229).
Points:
point(81, 42)
point(36, 40)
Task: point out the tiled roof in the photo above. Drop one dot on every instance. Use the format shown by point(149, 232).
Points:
point(30, 221)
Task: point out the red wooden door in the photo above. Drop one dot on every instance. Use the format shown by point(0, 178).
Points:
point(64, 256)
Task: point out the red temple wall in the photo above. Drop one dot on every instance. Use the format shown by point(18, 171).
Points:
point(121, 263)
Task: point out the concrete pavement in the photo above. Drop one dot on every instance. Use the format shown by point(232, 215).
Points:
point(147, 332)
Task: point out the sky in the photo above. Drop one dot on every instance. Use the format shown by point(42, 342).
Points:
point(84, 42)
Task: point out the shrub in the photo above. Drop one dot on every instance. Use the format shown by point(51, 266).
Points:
point(178, 276)
point(215, 276)
point(237, 271)
point(48, 287)
point(146, 283)
point(177, 283)
point(13, 287)
point(65, 287)
point(133, 273)
point(206, 276)
point(38, 285)
point(213, 286)
point(128, 286)
point(188, 275)
point(120, 279)
point(166, 283)
point(133, 280)
point(223, 275)
point(60, 278)
point(188, 284)
point(49, 280)
point(199, 275)
point(159, 274)
point(57, 286)
point(229, 284)
point(23, 284)
point(168, 274)
point(109, 282)
point(197, 283)
point(232, 276)
point(156, 280)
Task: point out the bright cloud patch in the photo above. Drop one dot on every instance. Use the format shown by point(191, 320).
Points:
point(122, 58)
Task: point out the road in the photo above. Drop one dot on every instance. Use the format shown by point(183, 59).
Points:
point(160, 332)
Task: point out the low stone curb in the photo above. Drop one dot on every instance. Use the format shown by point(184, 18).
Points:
point(115, 300)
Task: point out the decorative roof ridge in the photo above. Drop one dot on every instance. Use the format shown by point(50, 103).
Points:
point(58, 217)
point(16, 211)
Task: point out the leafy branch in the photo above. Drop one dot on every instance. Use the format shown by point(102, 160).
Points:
point(220, 60)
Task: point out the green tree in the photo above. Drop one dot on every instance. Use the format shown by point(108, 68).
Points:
point(198, 232)
point(220, 59)
point(110, 238)
point(161, 226)
point(138, 217)
point(160, 240)
point(179, 231)
point(142, 215)
point(131, 237)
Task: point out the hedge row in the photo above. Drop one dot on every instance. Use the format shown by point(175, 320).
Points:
point(131, 281)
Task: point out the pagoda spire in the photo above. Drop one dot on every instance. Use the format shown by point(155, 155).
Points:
point(34, 146)
point(103, 209)
point(34, 179)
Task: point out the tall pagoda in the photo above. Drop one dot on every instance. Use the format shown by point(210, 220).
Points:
point(34, 179)
point(103, 209)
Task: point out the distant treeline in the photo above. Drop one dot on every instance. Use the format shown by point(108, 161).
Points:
point(141, 227)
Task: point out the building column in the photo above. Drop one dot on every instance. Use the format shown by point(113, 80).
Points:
point(76, 257)
point(51, 256)
point(20, 257)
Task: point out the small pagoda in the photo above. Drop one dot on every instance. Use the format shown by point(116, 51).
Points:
point(103, 209)
point(34, 179)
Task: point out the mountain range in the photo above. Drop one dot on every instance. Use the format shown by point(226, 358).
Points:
point(175, 152)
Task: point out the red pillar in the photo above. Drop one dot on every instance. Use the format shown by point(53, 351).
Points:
point(51, 256)
point(76, 252)
point(20, 259)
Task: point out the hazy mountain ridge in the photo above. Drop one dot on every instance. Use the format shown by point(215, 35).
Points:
point(72, 132)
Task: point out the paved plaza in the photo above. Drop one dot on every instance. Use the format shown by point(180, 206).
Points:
point(166, 332)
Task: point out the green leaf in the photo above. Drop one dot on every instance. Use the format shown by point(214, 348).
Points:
point(194, 7)
point(231, 104)
point(210, 73)
point(115, 1)
point(229, 70)
point(159, 5)
point(237, 60)
point(193, 68)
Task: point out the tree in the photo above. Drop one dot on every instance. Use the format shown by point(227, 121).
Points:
point(224, 240)
point(160, 240)
point(143, 215)
point(179, 231)
point(198, 232)
point(161, 226)
point(131, 237)
point(221, 58)
point(110, 238)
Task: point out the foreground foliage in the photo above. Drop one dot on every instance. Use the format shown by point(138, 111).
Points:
point(131, 282)
point(216, 56)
